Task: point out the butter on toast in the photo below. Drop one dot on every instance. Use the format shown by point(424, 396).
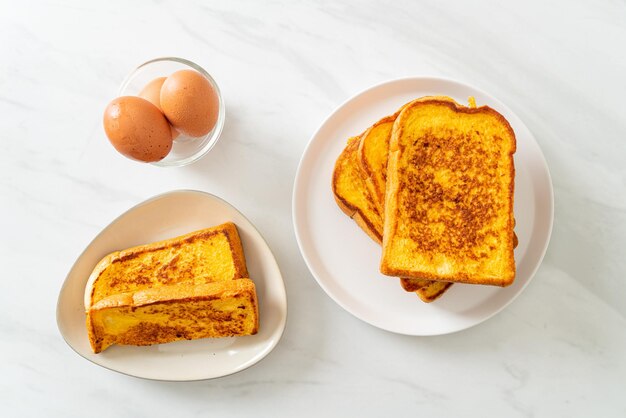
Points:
point(449, 195)
point(204, 256)
point(355, 199)
point(174, 312)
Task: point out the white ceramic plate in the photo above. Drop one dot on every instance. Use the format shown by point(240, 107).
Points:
point(344, 260)
point(158, 218)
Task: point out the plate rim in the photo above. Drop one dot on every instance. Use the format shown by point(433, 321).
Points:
point(283, 321)
point(295, 207)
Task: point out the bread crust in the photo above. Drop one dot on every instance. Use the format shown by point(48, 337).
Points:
point(375, 183)
point(429, 292)
point(354, 212)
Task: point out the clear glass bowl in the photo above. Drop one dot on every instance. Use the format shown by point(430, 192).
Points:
point(185, 149)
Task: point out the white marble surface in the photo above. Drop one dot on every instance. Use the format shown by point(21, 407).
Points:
point(558, 350)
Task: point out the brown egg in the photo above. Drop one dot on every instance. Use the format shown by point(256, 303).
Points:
point(137, 129)
point(152, 93)
point(189, 102)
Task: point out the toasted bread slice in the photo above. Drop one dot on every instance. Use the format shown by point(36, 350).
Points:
point(449, 195)
point(373, 155)
point(374, 152)
point(208, 255)
point(351, 193)
point(355, 199)
point(427, 290)
point(174, 312)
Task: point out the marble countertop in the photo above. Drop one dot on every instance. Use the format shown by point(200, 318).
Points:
point(558, 350)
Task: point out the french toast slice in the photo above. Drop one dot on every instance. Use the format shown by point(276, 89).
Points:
point(351, 193)
point(204, 256)
point(174, 312)
point(355, 200)
point(449, 195)
point(374, 152)
point(427, 290)
point(373, 155)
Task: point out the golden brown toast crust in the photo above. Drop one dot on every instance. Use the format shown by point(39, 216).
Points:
point(433, 198)
point(174, 312)
point(357, 202)
point(414, 285)
point(372, 157)
point(373, 153)
point(170, 270)
point(427, 293)
point(361, 207)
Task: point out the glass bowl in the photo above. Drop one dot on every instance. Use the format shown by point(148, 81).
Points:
point(185, 149)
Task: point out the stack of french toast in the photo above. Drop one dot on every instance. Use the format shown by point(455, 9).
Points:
point(189, 287)
point(433, 184)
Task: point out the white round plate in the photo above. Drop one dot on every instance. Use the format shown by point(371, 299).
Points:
point(344, 260)
point(165, 216)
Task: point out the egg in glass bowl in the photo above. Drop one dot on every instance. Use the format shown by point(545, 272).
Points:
point(187, 98)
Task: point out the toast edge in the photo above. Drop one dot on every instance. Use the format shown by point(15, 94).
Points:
point(228, 228)
point(368, 172)
point(354, 213)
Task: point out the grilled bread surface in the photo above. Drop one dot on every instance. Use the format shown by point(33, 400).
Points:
point(356, 200)
point(374, 152)
point(449, 195)
point(351, 193)
point(373, 155)
point(174, 312)
point(204, 256)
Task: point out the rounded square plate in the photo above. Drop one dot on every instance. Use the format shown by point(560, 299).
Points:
point(344, 260)
point(166, 216)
